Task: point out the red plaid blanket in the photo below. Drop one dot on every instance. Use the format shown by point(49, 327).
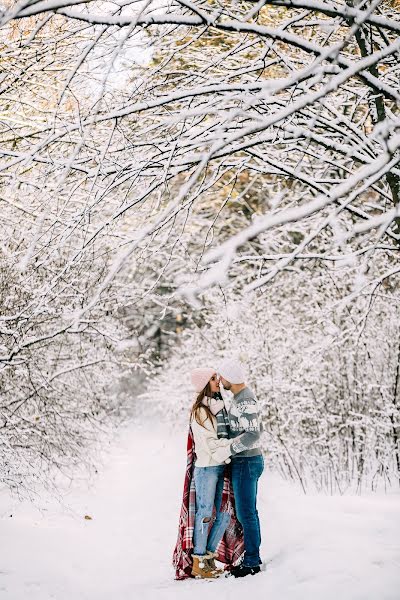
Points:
point(231, 547)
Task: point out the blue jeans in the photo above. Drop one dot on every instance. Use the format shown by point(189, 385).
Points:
point(246, 471)
point(209, 483)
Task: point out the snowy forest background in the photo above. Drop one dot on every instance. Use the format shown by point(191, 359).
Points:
point(180, 180)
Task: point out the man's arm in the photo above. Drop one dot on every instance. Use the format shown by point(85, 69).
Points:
point(249, 421)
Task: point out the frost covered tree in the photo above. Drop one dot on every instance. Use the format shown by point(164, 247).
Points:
point(151, 151)
point(301, 96)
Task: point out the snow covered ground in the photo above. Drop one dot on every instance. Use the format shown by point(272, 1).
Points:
point(316, 547)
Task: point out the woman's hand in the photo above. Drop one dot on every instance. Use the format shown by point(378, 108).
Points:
point(219, 443)
point(221, 450)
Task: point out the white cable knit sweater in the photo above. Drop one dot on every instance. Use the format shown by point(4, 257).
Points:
point(202, 435)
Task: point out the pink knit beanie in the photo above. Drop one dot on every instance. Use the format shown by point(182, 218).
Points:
point(200, 378)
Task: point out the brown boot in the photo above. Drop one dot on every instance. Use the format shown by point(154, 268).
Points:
point(210, 559)
point(201, 567)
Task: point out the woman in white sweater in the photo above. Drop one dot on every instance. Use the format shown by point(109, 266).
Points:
point(208, 472)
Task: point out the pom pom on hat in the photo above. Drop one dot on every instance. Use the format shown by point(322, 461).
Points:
point(232, 370)
point(200, 378)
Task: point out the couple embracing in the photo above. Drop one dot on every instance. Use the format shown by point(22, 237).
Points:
point(219, 518)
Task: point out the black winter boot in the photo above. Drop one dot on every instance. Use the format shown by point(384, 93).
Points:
point(242, 571)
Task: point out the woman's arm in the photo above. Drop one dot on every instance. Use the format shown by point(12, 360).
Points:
point(204, 434)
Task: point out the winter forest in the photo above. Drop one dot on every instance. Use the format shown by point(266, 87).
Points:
point(182, 180)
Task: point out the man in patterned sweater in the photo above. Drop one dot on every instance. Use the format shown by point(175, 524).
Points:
point(243, 447)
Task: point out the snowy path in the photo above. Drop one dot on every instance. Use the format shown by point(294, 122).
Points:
point(316, 547)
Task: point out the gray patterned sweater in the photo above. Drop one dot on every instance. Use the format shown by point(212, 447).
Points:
point(242, 424)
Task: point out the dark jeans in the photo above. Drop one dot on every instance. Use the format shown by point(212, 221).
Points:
point(245, 474)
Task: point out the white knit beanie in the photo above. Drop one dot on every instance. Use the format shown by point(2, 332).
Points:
point(200, 378)
point(231, 370)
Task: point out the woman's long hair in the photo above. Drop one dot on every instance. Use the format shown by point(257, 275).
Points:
point(198, 403)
